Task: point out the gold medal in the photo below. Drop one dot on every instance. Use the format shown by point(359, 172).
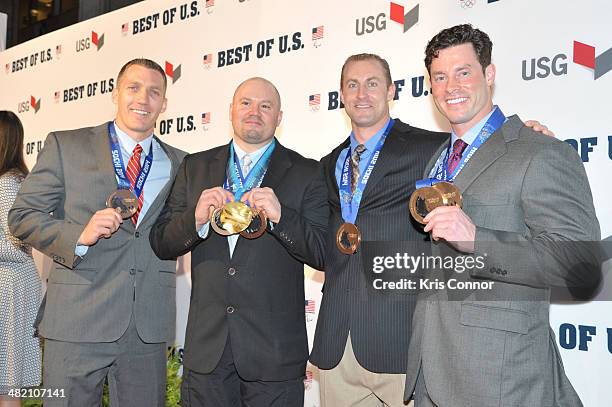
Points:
point(426, 199)
point(257, 227)
point(348, 238)
point(124, 202)
point(237, 217)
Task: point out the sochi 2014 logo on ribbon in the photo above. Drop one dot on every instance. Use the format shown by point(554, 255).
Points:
point(397, 14)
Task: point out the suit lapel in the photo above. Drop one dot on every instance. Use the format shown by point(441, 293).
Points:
point(159, 200)
point(393, 149)
point(434, 159)
point(277, 168)
point(334, 197)
point(487, 154)
point(100, 149)
point(217, 167)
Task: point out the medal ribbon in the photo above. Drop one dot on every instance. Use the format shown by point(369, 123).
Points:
point(236, 182)
point(124, 182)
point(440, 171)
point(350, 203)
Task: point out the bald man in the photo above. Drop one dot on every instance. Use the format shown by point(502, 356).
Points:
point(246, 340)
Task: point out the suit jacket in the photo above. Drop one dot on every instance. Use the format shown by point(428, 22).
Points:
point(91, 300)
point(524, 192)
point(378, 323)
point(263, 282)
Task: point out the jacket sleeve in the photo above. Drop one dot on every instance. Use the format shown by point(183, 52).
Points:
point(34, 217)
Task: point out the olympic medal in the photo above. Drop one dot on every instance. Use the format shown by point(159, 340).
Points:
point(348, 238)
point(257, 227)
point(426, 199)
point(124, 202)
point(231, 218)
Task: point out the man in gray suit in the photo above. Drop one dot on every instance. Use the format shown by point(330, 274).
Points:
point(525, 196)
point(110, 302)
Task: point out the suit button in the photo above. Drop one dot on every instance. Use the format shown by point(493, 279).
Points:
point(137, 234)
point(231, 271)
point(230, 310)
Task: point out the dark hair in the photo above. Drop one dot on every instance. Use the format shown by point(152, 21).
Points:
point(147, 63)
point(457, 35)
point(11, 144)
point(365, 57)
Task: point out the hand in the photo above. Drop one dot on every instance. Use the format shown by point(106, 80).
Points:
point(103, 223)
point(453, 225)
point(537, 126)
point(210, 198)
point(264, 199)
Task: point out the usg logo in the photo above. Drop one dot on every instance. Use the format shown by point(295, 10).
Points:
point(378, 22)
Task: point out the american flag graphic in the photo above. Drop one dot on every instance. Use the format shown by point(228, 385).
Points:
point(207, 59)
point(210, 3)
point(206, 118)
point(125, 28)
point(58, 49)
point(57, 96)
point(314, 100)
point(317, 33)
point(309, 306)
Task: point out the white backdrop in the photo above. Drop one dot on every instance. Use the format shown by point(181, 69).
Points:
point(63, 80)
point(3, 22)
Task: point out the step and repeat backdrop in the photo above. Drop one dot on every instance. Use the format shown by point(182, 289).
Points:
point(553, 64)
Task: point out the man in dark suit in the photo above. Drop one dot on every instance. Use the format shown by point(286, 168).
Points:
point(246, 340)
point(110, 302)
point(528, 211)
point(360, 343)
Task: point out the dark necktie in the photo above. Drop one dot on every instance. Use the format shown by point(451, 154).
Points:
point(455, 157)
point(355, 158)
point(133, 169)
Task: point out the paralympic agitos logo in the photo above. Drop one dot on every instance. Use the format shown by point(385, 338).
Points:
point(397, 13)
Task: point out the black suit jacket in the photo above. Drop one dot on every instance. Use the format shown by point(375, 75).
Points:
point(263, 281)
point(379, 324)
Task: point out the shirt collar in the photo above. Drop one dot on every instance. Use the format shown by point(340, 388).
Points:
point(129, 143)
point(255, 155)
point(472, 133)
point(372, 142)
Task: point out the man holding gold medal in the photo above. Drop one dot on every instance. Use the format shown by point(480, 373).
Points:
point(109, 308)
point(521, 201)
point(250, 212)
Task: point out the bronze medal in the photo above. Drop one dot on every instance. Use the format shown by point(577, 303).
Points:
point(348, 238)
point(426, 199)
point(124, 202)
